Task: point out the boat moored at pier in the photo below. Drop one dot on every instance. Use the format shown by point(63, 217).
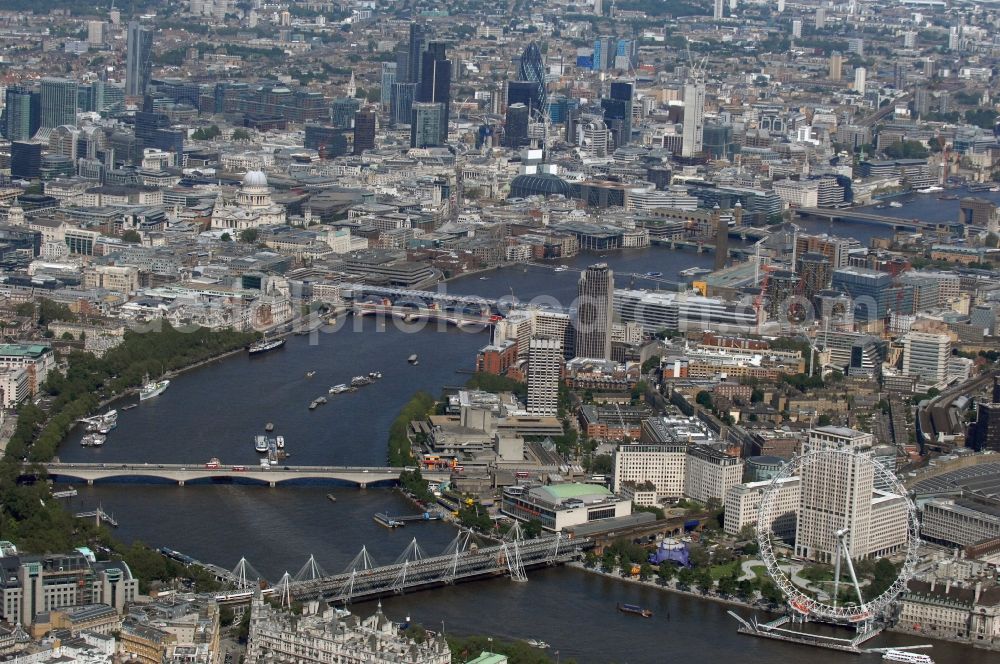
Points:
point(898, 655)
point(153, 389)
point(93, 440)
point(265, 345)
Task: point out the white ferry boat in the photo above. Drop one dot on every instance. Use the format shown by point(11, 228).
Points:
point(280, 442)
point(265, 345)
point(153, 389)
point(92, 440)
point(102, 423)
point(893, 655)
point(260, 444)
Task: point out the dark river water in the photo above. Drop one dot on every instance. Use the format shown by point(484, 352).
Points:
point(214, 411)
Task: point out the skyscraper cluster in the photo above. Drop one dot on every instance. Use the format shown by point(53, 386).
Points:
point(433, 87)
point(416, 89)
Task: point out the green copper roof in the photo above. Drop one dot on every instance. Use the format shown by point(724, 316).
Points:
point(32, 350)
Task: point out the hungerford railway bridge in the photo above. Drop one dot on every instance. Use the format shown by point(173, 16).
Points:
point(412, 570)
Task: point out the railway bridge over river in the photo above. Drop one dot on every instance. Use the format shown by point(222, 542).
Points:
point(461, 561)
point(363, 579)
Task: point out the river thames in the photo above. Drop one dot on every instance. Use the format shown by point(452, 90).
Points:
point(215, 410)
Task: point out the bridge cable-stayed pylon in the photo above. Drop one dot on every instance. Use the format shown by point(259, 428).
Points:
point(458, 546)
point(411, 553)
point(347, 589)
point(399, 583)
point(284, 590)
point(245, 575)
point(460, 542)
point(362, 562)
point(554, 553)
point(514, 533)
point(310, 571)
point(511, 544)
point(512, 554)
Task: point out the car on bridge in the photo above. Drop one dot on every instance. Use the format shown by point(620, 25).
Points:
point(239, 468)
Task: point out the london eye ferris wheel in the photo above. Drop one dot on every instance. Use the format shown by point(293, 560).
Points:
point(833, 606)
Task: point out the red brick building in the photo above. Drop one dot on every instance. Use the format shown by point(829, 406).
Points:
point(496, 359)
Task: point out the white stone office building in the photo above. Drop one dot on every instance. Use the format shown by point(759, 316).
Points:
point(661, 464)
point(710, 473)
point(838, 493)
point(743, 506)
point(926, 357)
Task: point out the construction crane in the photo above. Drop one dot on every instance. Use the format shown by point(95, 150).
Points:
point(461, 107)
point(887, 324)
point(758, 303)
point(697, 68)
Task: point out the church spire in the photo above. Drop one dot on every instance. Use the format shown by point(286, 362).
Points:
point(352, 88)
point(15, 214)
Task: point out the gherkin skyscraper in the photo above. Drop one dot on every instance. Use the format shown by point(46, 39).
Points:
point(532, 70)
